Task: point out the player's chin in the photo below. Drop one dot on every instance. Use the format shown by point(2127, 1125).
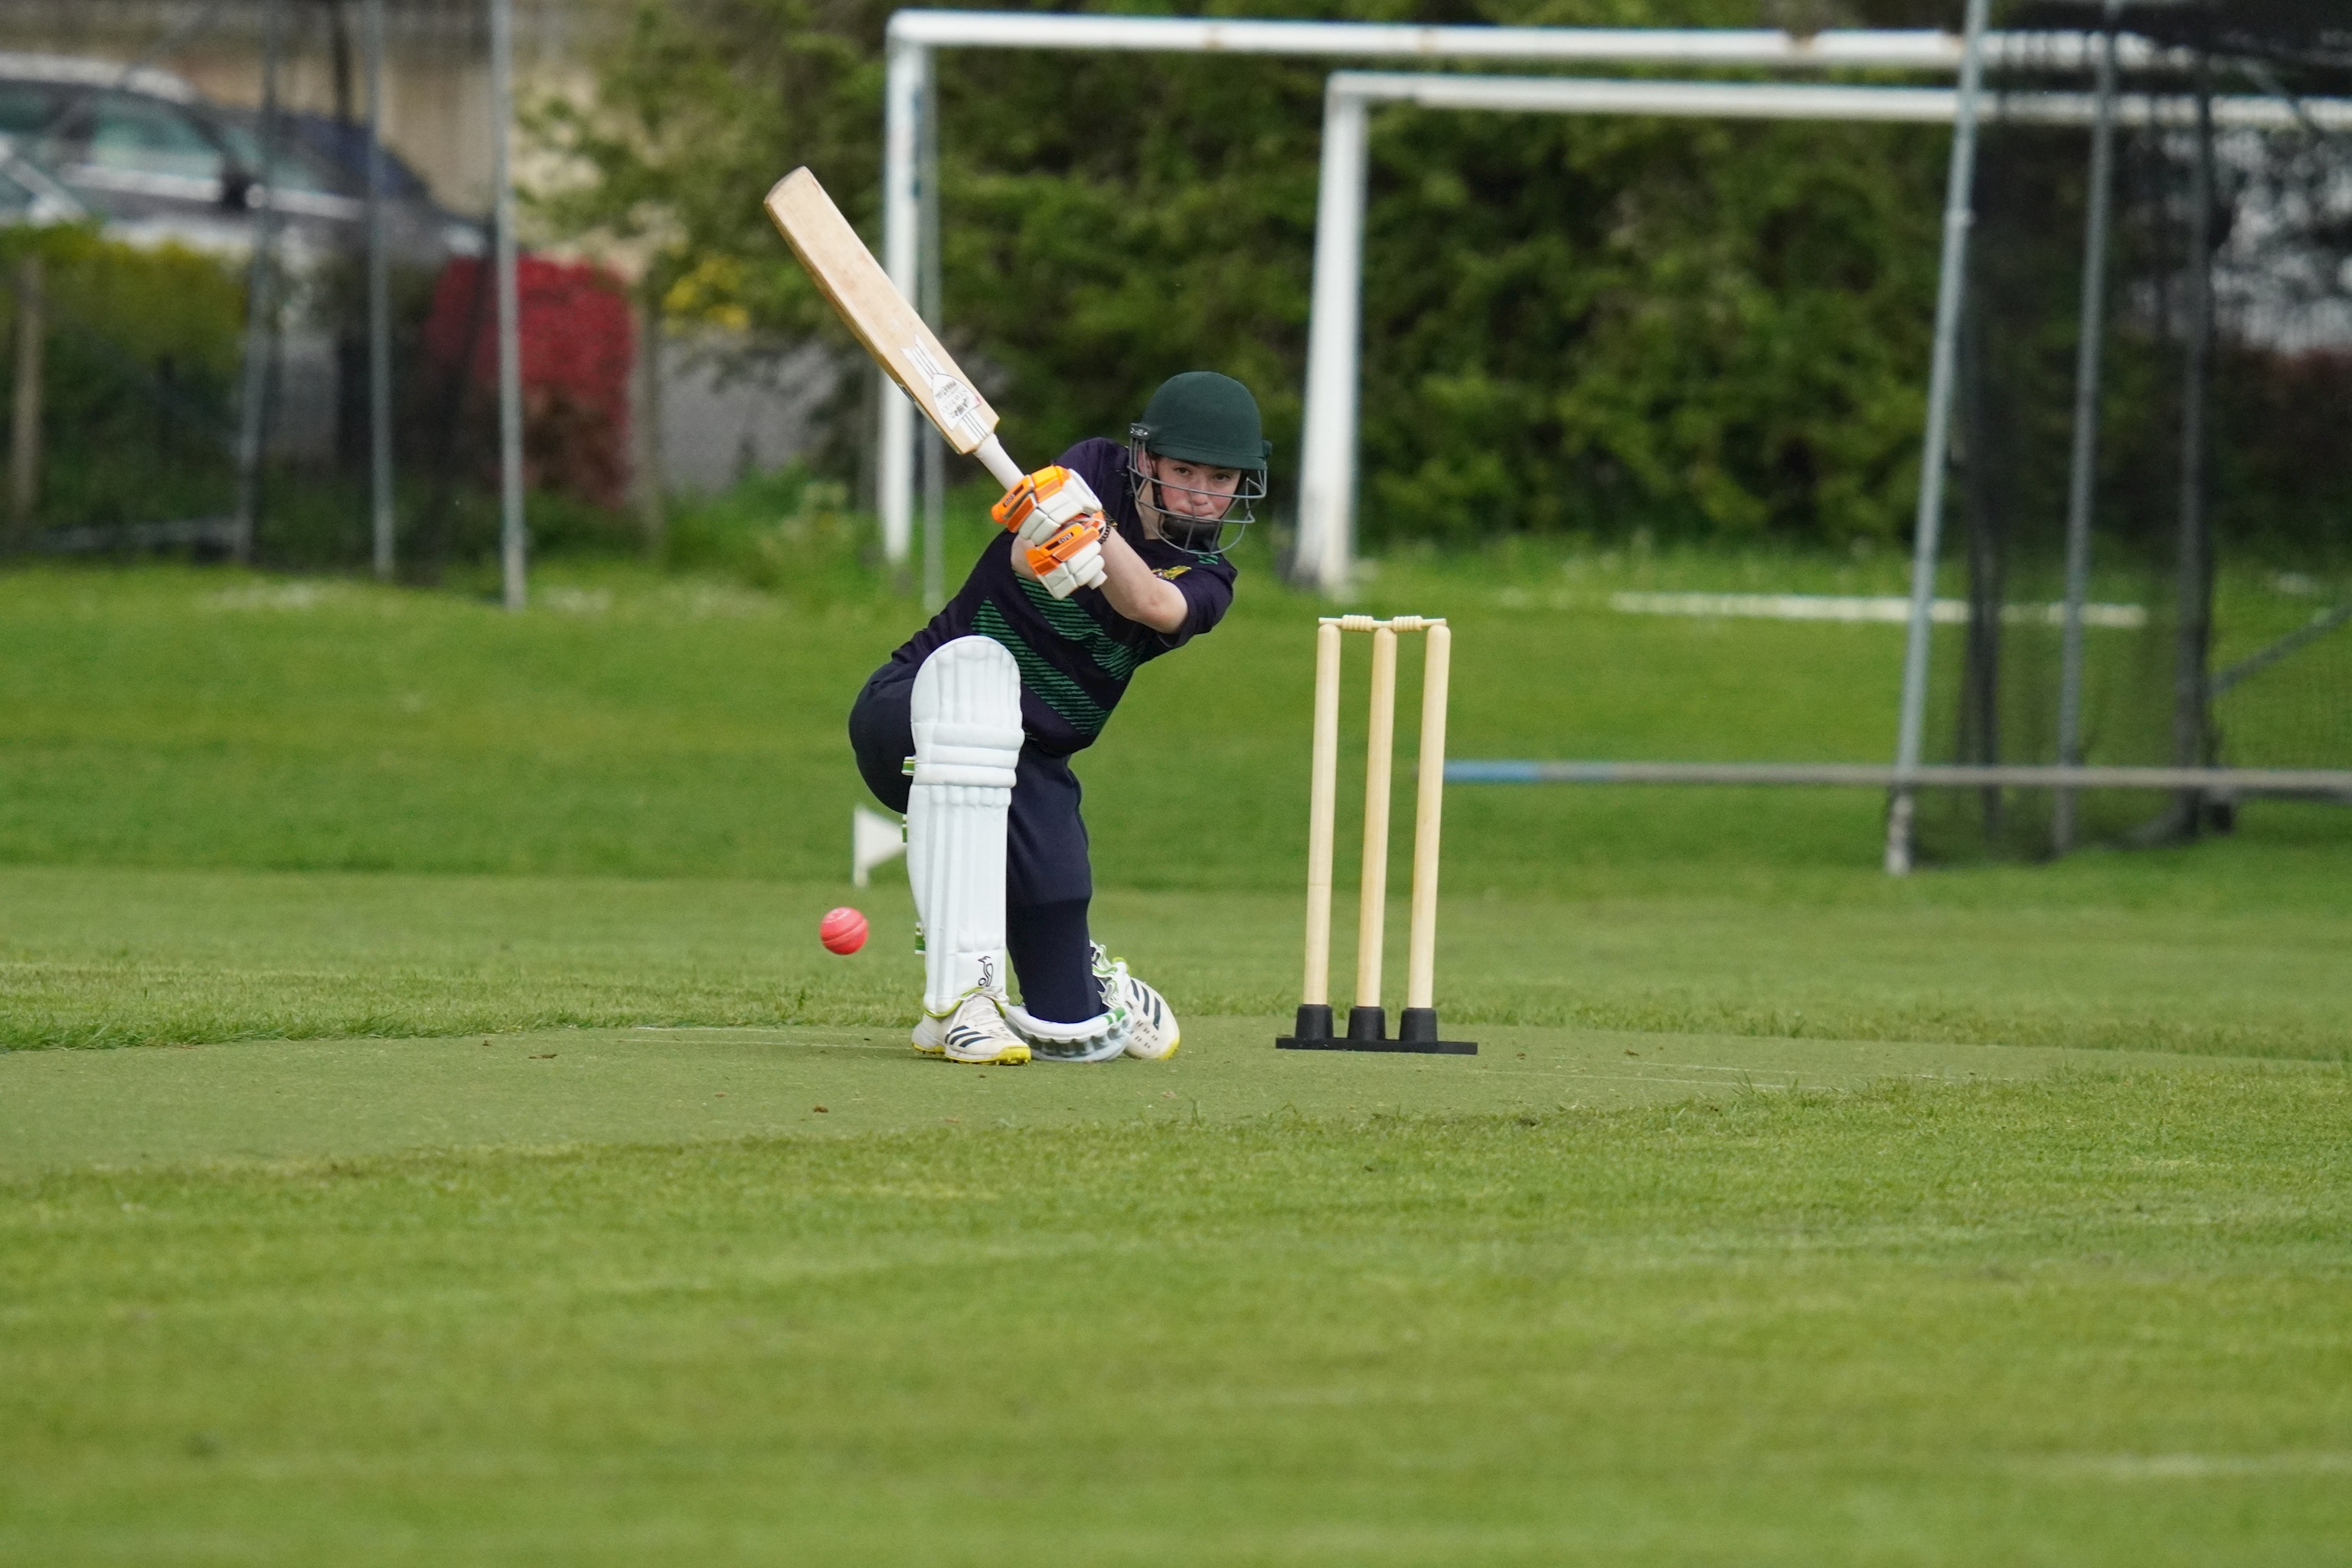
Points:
point(1199, 537)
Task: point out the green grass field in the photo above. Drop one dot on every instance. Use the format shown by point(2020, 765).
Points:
point(442, 1176)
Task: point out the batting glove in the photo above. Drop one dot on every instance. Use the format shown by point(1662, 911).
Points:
point(1045, 503)
point(1072, 559)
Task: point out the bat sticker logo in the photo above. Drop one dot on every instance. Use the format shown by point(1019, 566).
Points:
point(957, 404)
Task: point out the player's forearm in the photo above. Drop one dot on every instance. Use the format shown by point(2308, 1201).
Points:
point(1136, 594)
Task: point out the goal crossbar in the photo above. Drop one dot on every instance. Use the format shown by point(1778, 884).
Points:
point(1899, 48)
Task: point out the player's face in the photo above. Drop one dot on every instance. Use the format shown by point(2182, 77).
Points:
point(1190, 489)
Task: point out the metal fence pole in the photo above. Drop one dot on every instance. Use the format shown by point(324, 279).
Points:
point(24, 447)
point(2083, 478)
point(260, 298)
point(1951, 292)
point(379, 306)
point(2190, 728)
point(645, 468)
point(513, 539)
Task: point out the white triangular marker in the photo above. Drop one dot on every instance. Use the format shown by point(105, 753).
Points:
point(874, 840)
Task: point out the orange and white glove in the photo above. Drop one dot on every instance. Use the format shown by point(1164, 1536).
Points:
point(1045, 503)
point(1058, 523)
point(1072, 559)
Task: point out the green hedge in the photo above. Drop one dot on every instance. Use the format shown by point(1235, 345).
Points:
point(141, 349)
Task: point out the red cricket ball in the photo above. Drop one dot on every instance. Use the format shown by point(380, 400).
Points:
point(842, 931)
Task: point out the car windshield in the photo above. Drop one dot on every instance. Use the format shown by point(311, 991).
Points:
point(140, 136)
point(25, 109)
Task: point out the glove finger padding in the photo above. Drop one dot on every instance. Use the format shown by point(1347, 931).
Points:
point(1045, 503)
point(1084, 569)
point(1071, 559)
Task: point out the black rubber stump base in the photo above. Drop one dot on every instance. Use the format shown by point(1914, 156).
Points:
point(1368, 1030)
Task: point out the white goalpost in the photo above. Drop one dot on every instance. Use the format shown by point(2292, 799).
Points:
point(1325, 554)
point(909, 186)
point(1326, 531)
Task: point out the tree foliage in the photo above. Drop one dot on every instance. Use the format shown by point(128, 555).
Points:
point(1569, 323)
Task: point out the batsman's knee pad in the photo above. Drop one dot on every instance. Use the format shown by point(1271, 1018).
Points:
point(966, 713)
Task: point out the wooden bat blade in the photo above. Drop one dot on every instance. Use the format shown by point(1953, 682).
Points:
point(875, 310)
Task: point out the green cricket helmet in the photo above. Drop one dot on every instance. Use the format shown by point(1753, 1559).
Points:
point(1201, 417)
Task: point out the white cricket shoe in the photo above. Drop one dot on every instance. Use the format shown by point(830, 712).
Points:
point(1093, 1040)
point(974, 1030)
point(1141, 1022)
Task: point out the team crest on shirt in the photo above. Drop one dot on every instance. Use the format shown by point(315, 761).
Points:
point(1172, 573)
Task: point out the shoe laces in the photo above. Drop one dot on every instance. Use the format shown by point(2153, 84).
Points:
point(1111, 973)
point(977, 993)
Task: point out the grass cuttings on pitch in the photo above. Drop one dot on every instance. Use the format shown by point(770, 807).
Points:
point(2085, 1321)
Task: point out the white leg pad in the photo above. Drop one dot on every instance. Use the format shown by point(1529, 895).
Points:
point(966, 708)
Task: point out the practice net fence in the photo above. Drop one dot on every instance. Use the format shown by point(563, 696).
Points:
point(2215, 574)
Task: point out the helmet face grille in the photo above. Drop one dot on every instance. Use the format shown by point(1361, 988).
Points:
point(1206, 534)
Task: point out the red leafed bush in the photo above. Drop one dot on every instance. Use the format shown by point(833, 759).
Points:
point(578, 343)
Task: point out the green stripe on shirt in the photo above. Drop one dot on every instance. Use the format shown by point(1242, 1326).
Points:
point(1053, 688)
point(1072, 624)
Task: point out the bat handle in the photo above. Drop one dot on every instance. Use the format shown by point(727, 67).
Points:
point(995, 459)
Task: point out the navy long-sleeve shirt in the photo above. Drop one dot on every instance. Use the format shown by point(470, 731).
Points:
point(1076, 655)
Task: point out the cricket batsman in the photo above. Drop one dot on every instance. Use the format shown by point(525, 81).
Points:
point(1111, 557)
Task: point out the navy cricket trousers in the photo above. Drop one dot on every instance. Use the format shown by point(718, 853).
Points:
point(1048, 880)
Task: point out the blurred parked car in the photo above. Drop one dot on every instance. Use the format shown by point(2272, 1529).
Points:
point(345, 144)
point(154, 161)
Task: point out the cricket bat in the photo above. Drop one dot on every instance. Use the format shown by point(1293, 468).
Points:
point(888, 327)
